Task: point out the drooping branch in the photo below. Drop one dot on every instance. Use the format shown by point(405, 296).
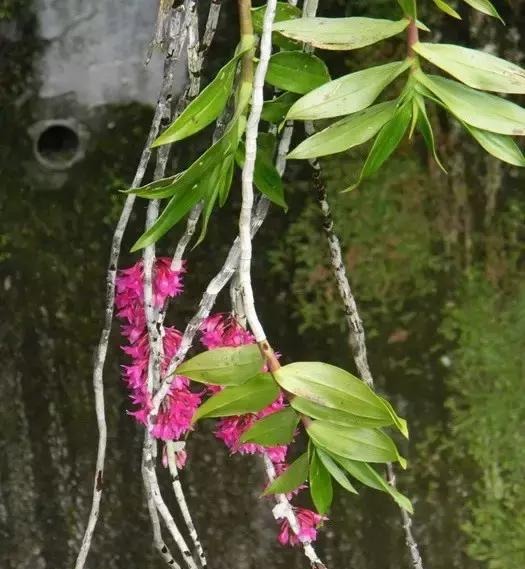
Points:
point(102, 347)
point(183, 505)
point(355, 326)
point(252, 130)
point(155, 317)
point(160, 504)
point(158, 542)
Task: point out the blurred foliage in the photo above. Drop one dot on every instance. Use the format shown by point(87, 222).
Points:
point(488, 416)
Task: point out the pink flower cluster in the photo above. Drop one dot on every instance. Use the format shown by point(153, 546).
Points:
point(309, 522)
point(221, 330)
point(175, 416)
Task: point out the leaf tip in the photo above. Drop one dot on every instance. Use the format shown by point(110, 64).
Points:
point(136, 246)
point(350, 188)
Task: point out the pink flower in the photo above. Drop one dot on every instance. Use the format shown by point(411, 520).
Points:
point(230, 429)
point(309, 522)
point(181, 457)
point(223, 330)
point(174, 418)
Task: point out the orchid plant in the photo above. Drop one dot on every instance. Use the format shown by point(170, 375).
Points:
point(261, 406)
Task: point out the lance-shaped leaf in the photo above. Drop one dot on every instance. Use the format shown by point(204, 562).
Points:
point(320, 481)
point(348, 94)
point(275, 111)
point(188, 179)
point(422, 26)
point(335, 388)
point(444, 7)
point(296, 71)
point(227, 176)
point(216, 187)
point(346, 133)
point(223, 366)
point(340, 33)
point(475, 68)
point(425, 128)
point(484, 6)
point(368, 476)
point(478, 109)
point(250, 397)
point(386, 142)
point(337, 417)
point(337, 474)
point(265, 176)
point(275, 429)
point(355, 443)
point(178, 206)
point(295, 475)
point(499, 145)
point(205, 108)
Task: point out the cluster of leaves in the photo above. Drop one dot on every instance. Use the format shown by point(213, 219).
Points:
point(305, 92)
point(491, 120)
point(343, 419)
point(209, 177)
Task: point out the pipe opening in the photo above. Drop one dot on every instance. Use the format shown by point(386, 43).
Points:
point(58, 146)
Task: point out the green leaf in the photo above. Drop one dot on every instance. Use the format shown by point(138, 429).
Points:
point(191, 177)
point(400, 423)
point(205, 108)
point(421, 26)
point(265, 176)
point(320, 485)
point(337, 474)
point(476, 69)
point(340, 33)
point(223, 366)
point(334, 388)
point(178, 206)
point(275, 429)
point(346, 133)
point(335, 416)
point(355, 443)
point(284, 11)
point(274, 111)
point(226, 180)
point(408, 7)
point(296, 71)
point(370, 477)
point(499, 145)
point(486, 7)
point(216, 181)
point(444, 7)
point(481, 110)
point(295, 475)
point(386, 142)
point(250, 397)
point(347, 94)
point(425, 128)
point(266, 145)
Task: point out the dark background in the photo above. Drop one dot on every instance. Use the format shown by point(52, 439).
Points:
point(436, 263)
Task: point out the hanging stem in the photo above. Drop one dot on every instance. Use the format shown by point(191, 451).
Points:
point(252, 128)
point(412, 37)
